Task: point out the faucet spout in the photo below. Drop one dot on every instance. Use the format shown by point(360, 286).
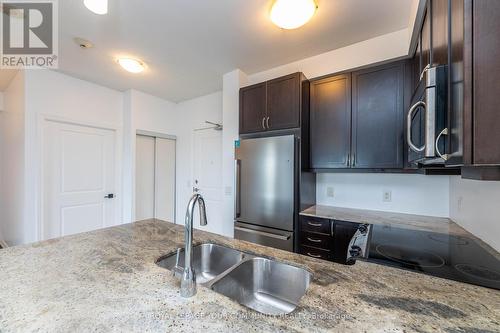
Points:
point(188, 281)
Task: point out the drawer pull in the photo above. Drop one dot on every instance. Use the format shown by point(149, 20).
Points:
point(314, 255)
point(314, 224)
point(314, 240)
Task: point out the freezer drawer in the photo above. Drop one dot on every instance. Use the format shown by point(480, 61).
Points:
point(264, 236)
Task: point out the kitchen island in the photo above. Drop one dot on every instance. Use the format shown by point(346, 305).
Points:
point(107, 281)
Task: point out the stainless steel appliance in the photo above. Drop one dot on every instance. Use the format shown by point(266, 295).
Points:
point(359, 244)
point(266, 191)
point(426, 119)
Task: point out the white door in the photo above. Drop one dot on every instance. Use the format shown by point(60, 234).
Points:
point(207, 177)
point(165, 180)
point(78, 179)
point(155, 178)
point(145, 177)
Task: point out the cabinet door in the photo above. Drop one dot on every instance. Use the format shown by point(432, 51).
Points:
point(456, 84)
point(439, 32)
point(283, 102)
point(486, 82)
point(253, 108)
point(426, 40)
point(330, 117)
point(377, 116)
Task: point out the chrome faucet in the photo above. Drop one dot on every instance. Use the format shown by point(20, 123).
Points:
point(188, 281)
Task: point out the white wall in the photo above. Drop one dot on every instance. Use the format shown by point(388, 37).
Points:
point(12, 172)
point(148, 113)
point(367, 52)
point(55, 95)
point(231, 82)
point(412, 194)
point(194, 113)
point(475, 205)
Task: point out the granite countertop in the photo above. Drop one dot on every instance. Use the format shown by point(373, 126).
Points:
point(409, 221)
point(107, 281)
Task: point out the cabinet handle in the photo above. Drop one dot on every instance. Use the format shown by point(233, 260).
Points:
point(267, 123)
point(314, 255)
point(314, 224)
point(263, 123)
point(314, 240)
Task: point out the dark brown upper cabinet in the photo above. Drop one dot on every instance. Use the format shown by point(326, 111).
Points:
point(283, 102)
point(330, 124)
point(357, 119)
point(377, 117)
point(272, 105)
point(253, 108)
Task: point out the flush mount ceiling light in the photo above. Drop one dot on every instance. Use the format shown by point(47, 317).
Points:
point(292, 14)
point(131, 65)
point(99, 7)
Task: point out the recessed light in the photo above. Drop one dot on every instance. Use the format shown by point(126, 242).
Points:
point(131, 65)
point(99, 7)
point(292, 14)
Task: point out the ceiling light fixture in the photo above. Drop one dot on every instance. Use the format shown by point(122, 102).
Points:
point(131, 65)
point(99, 7)
point(292, 14)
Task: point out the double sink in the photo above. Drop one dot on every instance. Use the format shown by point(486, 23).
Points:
point(264, 285)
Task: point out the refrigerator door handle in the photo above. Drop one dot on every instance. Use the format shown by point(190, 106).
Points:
point(263, 233)
point(237, 197)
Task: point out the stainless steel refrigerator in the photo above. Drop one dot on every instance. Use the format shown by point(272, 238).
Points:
point(265, 191)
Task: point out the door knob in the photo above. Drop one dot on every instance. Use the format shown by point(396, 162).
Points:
point(109, 196)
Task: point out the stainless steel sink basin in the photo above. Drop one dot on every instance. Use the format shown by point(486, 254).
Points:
point(264, 285)
point(267, 286)
point(209, 261)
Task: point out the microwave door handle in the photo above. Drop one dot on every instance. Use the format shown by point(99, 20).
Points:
point(409, 117)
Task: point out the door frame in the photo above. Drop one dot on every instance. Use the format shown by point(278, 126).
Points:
point(42, 119)
point(160, 135)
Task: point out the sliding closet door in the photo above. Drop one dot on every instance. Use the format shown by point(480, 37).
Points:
point(145, 178)
point(165, 180)
point(155, 178)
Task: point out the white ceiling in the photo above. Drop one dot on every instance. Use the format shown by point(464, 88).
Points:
point(189, 44)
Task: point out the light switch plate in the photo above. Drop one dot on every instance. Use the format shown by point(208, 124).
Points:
point(330, 192)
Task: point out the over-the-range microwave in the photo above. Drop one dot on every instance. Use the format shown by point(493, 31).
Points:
point(427, 118)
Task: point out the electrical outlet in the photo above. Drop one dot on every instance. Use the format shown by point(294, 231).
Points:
point(330, 192)
point(387, 196)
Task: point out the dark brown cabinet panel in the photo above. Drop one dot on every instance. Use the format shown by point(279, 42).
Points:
point(253, 108)
point(426, 40)
point(486, 82)
point(330, 117)
point(439, 32)
point(283, 102)
point(456, 84)
point(377, 117)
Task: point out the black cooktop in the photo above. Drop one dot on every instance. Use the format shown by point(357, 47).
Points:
point(461, 258)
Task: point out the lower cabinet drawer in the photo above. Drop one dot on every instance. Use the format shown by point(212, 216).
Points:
point(314, 224)
point(316, 253)
point(320, 241)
